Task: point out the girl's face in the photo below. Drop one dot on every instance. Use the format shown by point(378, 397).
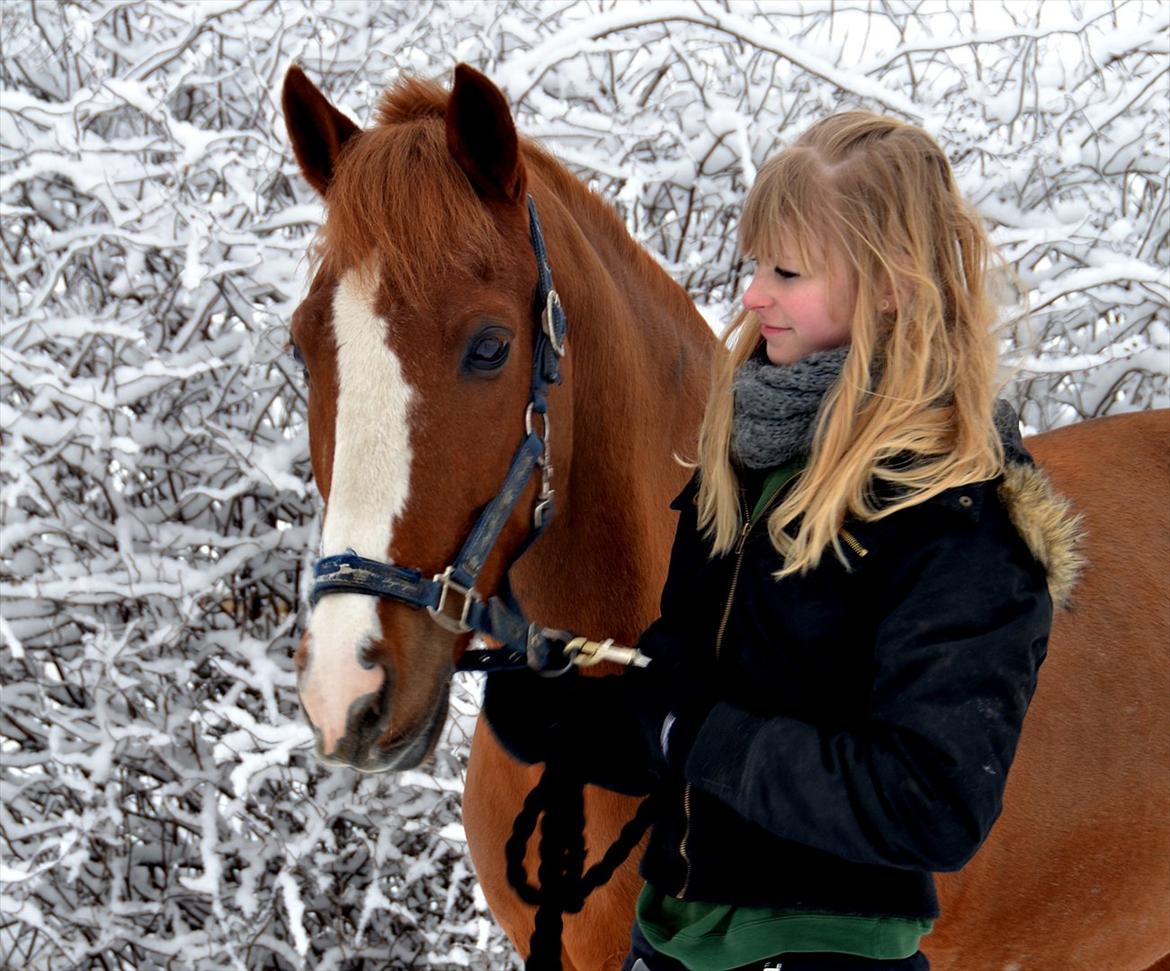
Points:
point(802, 309)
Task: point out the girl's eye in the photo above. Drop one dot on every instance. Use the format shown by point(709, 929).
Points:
point(488, 352)
point(300, 360)
point(785, 274)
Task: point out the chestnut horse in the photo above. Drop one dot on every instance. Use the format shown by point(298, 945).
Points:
point(418, 338)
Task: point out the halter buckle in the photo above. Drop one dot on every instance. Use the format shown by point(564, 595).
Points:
point(548, 322)
point(542, 513)
point(439, 615)
point(544, 508)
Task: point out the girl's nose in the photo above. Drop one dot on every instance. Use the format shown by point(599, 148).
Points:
point(755, 297)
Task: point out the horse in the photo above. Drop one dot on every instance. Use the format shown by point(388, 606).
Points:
point(419, 335)
point(418, 338)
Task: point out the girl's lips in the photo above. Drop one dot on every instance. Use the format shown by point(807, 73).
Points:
point(774, 330)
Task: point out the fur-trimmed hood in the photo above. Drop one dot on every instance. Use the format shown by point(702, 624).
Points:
point(1047, 523)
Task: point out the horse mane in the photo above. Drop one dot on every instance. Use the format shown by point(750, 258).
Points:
point(411, 98)
point(606, 225)
point(367, 210)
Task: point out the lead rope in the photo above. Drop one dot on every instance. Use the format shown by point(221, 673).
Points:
point(559, 799)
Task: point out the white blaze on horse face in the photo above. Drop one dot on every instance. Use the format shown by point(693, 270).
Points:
point(368, 491)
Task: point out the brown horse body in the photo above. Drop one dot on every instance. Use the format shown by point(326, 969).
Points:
point(1076, 872)
point(1074, 875)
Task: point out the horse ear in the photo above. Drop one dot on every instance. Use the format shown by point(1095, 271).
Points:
point(316, 129)
point(482, 137)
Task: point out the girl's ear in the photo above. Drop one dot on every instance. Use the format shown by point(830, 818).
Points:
point(317, 130)
point(482, 137)
point(889, 293)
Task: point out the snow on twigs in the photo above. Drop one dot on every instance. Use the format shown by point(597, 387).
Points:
point(158, 800)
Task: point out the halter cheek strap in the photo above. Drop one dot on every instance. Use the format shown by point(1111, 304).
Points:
point(499, 617)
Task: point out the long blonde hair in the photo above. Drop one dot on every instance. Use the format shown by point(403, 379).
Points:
point(918, 382)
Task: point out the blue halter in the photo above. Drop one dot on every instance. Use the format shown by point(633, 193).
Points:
point(500, 617)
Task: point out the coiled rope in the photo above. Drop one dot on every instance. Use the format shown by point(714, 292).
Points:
point(558, 799)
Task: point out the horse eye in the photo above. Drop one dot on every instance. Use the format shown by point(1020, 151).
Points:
point(300, 360)
point(489, 352)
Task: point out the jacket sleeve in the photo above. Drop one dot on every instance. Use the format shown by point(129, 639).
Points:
point(919, 782)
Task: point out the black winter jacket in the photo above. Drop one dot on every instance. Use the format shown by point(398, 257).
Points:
point(865, 717)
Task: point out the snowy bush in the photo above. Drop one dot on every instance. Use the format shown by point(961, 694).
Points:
point(159, 805)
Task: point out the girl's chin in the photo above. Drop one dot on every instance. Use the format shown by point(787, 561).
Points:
point(778, 349)
point(786, 356)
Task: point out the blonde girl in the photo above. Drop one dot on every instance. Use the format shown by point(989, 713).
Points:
point(851, 624)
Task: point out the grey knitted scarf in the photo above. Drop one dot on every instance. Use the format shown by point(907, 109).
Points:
point(776, 405)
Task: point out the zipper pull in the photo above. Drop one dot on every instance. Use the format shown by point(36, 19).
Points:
point(743, 535)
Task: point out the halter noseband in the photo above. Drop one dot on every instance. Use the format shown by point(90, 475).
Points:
point(499, 617)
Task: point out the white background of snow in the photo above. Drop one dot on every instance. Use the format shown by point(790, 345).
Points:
point(158, 802)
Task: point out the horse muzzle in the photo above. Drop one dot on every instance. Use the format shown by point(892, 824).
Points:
point(364, 745)
point(364, 713)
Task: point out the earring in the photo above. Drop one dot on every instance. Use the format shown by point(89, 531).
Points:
point(884, 306)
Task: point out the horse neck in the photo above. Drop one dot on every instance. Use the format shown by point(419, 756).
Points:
point(636, 380)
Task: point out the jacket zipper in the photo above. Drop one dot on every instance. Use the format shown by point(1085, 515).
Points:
point(748, 523)
point(851, 542)
point(682, 847)
point(743, 535)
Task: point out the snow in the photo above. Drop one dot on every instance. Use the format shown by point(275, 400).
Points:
point(291, 896)
point(160, 800)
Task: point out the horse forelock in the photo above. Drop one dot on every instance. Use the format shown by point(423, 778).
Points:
point(410, 98)
point(399, 203)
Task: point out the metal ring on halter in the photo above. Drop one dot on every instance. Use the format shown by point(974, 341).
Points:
point(549, 324)
point(546, 429)
point(469, 594)
point(535, 636)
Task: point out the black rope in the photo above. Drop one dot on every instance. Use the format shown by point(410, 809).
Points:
point(558, 799)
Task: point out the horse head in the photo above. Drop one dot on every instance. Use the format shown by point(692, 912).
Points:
point(417, 340)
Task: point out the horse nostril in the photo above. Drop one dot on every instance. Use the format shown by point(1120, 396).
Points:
point(365, 714)
point(366, 721)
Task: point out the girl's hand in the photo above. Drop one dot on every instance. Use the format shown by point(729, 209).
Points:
point(528, 713)
point(591, 723)
point(682, 698)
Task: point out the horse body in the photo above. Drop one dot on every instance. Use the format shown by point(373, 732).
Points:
point(1076, 873)
point(425, 256)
